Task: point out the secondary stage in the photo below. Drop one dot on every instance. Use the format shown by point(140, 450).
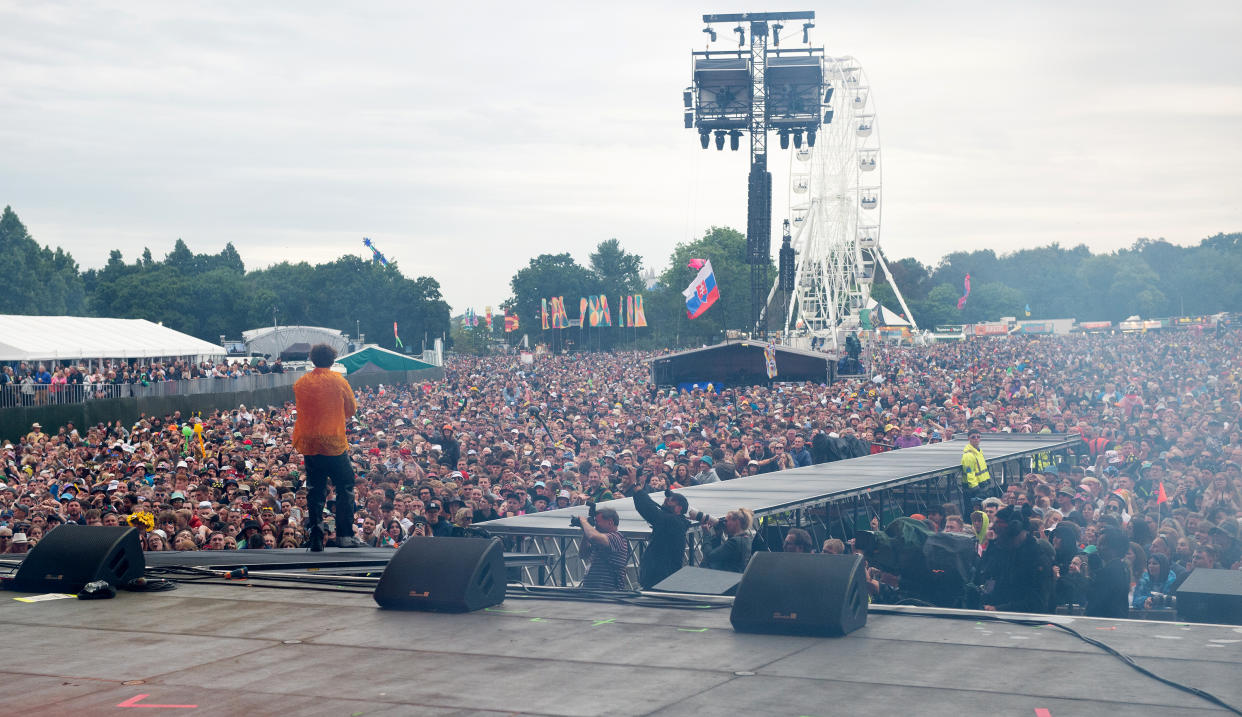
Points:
point(768, 493)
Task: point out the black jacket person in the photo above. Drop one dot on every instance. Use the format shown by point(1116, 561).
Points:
point(1018, 576)
point(450, 449)
point(731, 547)
point(666, 551)
point(1109, 584)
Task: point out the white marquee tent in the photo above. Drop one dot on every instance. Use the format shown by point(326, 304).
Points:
point(64, 338)
point(276, 340)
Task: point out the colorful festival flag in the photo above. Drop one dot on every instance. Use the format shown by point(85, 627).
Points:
point(593, 312)
point(488, 317)
point(559, 319)
point(394, 334)
point(1028, 309)
point(621, 311)
point(511, 322)
point(769, 358)
point(639, 318)
point(582, 312)
point(543, 314)
point(961, 303)
point(702, 292)
point(603, 309)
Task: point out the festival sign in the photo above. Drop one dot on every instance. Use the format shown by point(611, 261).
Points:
point(994, 328)
point(1095, 325)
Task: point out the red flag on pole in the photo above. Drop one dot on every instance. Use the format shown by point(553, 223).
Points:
point(1161, 496)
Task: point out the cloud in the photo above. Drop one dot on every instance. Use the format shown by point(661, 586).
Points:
point(466, 142)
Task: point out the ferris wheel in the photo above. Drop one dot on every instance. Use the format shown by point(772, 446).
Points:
point(834, 212)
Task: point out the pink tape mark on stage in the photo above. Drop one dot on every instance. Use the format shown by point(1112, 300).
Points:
point(133, 702)
point(1042, 712)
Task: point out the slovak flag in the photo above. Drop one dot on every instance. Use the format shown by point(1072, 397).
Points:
point(702, 292)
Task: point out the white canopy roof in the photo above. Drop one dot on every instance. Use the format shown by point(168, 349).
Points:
point(44, 338)
point(274, 340)
point(883, 316)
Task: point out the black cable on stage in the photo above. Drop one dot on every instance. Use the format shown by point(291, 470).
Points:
point(1202, 694)
point(621, 597)
point(149, 585)
point(205, 576)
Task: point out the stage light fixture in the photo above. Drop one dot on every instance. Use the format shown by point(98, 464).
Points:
point(720, 138)
point(797, 137)
point(741, 35)
point(776, 34)
point(735, 139)
point(784, 135)
point(689, 119)
point(810, 136)
point(687, 99)
point(828, 116)
point(705, 138)
point(806, 32)
point(710, 33)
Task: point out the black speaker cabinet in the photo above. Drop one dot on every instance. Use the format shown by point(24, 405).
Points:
point(444, 575)
point(801, 594)
point(1211, 596)
point(72, 555)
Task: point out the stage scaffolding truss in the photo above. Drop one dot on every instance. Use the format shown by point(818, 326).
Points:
point(830, 500)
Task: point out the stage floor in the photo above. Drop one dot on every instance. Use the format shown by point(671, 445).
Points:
point(233, 649)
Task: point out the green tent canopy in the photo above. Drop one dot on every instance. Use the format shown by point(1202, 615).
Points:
point(374, 358)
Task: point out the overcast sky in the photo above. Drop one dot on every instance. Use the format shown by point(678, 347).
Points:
point(464, 140)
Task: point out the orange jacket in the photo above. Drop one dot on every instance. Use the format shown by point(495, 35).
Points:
point(325, 400)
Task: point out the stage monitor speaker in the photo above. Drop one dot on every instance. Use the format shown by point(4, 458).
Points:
point(700, 581)
point(71, 555)
point(444, 575)
point(801, 594)
point(1211, 596)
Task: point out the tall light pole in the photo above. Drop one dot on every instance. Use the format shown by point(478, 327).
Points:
point(732, 91)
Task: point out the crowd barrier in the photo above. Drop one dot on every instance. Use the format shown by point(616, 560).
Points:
point(129, 402)
point(51, 394)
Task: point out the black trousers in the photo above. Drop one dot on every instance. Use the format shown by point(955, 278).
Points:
point(337, 468)
point(970, 495)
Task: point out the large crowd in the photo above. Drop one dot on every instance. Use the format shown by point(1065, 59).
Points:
point(1157, 413)
point(38, 383)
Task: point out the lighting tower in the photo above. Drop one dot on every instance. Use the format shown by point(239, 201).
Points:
point(765, 88)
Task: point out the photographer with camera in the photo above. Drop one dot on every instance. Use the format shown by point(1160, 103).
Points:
point(730, 542)
point(603, 548)
point(666, 550)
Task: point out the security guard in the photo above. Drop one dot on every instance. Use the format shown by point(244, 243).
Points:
point(975, 479)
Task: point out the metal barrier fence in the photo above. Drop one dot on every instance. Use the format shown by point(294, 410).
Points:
point(51, 394)
point(838, 517)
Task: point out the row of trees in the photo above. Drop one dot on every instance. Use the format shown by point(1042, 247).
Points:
point(614, 272)
point(209, 295)
point(1153, 278)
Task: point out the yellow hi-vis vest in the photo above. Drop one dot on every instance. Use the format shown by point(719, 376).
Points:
point(975, 466)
